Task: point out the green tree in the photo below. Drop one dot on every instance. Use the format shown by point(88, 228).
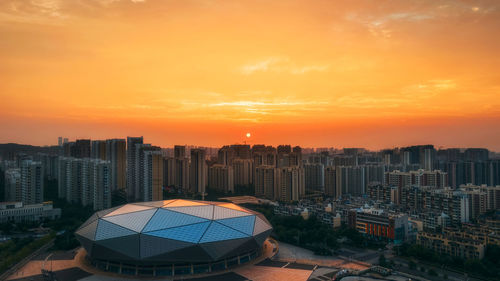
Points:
point(118, 197)
point(382, 260)
point(432, 272)
point(412, 265)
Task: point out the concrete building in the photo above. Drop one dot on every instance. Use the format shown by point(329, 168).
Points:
point(80, 149)
point(180, 152)
point(141, 151)
point(351, 180)
point(85, 181)
point(198, 171)
point(116, 154)
point(32, 182)
point(314, 176)
point(13, 190)
point(243, 171)
point(436, 178)
point(168, 171)
point(379, 224)
point(182, 173)
point(98, 149)
point(153, 176)
point(265, 182)
point(331, 188)
point(221, 178)
point(452, 243)
point(290, 184)
point(19, 212)
point(131, 162)
point(49, 164)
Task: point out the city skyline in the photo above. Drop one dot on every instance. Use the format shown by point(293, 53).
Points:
point(341, 74)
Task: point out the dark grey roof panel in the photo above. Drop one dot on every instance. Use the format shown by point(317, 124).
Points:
point(154, 246)
point(107, 230)
point(218, 249)
point(92, 218)
point(88, 231)
point(127, 245)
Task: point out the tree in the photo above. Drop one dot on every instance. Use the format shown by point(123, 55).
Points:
point(412, 265)
point(118, 197)
point(382, 260)
point(432, 272)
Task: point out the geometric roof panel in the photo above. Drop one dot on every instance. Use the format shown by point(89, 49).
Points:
point(219, 232)
point(183, 203)
point(107, 230)
point(134, 221)
point(164, 218)
point(128, 209)
point(172, 231)
point(260, 226)
point(224, 213)
point(206, 212)
point(188, 233)
point(234, 207)
point(243, 224)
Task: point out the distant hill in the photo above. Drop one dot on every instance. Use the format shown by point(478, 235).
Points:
point(9, 150)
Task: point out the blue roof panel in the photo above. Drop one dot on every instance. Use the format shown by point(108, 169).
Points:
point(189, 233)
point(219, 232)
point(243, 224)
point(167, 219)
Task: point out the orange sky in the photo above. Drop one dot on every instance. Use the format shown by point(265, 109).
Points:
point(314, 73)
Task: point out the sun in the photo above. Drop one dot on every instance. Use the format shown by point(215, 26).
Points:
point(248, 135)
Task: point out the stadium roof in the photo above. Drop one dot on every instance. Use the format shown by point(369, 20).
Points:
point(173, 231)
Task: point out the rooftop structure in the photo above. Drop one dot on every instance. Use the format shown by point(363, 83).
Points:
point(168, 233)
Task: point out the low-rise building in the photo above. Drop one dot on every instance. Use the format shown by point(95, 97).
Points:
point(379, 224)
point(452, 243)
point(18, 212)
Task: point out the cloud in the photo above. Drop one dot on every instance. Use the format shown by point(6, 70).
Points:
point(430, 88)
point(280, 65)
point(263, 65)
point(49, 11)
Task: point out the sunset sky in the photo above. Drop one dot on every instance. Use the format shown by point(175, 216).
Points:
point(340, 73)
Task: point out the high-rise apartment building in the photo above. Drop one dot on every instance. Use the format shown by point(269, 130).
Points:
point(351, 180)
point(116, 154)
point(140, 166)
point(265, 182)
point(169, 171)
point(13, 191)
point(153, 176)
point(182, 173)
point(85, 181)
point(220, 178)
point(290, 184)
point(198, 171)
point(80, 149)
point(243, 171)
point(32, 181)
point(314, 176)
point(179, 152)
point(131, 168)
point(98, 149)
point(331, 188)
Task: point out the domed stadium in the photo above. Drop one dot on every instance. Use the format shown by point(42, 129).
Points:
point(173, 237)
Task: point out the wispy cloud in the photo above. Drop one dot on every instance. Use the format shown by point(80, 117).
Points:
point(429, 88)
point(281, 65)
point(48, 11)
